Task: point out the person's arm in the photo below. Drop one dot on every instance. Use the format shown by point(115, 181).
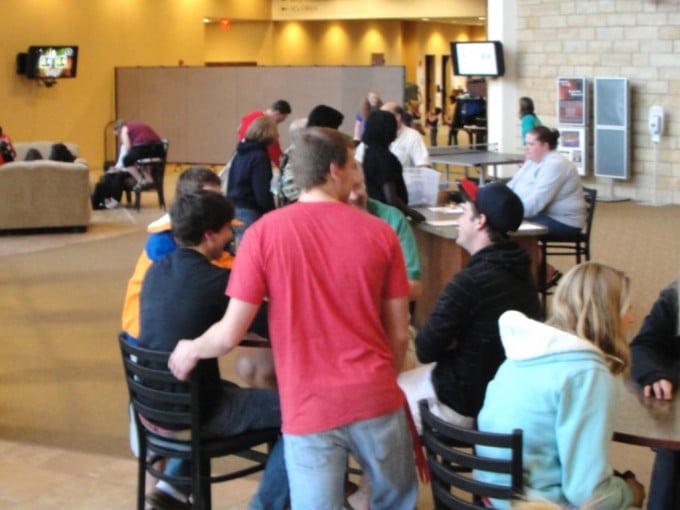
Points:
point(408, 247)
point(275, 153)
point(655, 350)
point(583, 432)
point(419, 153)
point(392, 198)
point(451, 316)
point(218, 340)
point(357, 130)
point(395, 319)
point(125, 138)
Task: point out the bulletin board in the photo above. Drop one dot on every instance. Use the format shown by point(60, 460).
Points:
point(198, 109)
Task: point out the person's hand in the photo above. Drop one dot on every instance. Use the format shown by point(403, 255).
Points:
point(182, 360)
point(638, 490)
point(415, 216)
point(661, 390)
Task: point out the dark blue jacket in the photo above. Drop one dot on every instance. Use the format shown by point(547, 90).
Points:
point(250, 176)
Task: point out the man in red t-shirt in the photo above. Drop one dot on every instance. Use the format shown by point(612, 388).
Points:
point(279, 111)
point(336, 282)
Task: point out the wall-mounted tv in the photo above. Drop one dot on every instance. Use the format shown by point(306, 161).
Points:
point(49, 62)
point(478, 58)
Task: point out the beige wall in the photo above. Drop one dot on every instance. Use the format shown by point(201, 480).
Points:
point(160, 32)
point(109, 34)
point(639, 40)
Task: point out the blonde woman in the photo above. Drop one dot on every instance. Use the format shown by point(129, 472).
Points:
point(559, 386)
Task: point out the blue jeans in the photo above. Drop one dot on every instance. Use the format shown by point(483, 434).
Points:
point(248, 217)
point(240, 410)
point(664, 489)
point(555, 228)
point(317, 463)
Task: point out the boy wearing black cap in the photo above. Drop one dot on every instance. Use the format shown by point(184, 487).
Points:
point(460, 342)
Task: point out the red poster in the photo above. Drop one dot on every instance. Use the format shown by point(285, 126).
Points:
point(571, 101)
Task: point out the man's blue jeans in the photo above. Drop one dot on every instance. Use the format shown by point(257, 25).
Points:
point(317, 464)
point(664, 489)
point(555, 228)
point(240, 410)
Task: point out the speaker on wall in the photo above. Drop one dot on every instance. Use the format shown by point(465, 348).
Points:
point(612, 127)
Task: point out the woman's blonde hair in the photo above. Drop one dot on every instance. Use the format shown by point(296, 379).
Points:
point(591, 301)
point(262, 130)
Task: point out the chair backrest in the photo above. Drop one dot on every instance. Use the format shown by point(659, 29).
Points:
point(590, 196)
point(452, 459)
point(160, 399)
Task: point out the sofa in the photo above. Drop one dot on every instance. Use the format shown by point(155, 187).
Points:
point(44, 195)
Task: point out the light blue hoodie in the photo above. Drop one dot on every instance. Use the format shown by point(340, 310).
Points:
point(558, 389)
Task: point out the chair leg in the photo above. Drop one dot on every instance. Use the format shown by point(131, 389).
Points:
point(161, 195)
point(141, 476)
point(138, 200)
point(542, 277)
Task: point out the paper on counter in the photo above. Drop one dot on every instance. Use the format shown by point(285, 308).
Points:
point(446, 209)
point(443, 223)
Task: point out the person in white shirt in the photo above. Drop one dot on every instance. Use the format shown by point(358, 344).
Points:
point(409, 146)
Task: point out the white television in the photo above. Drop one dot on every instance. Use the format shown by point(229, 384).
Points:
point(478, 58)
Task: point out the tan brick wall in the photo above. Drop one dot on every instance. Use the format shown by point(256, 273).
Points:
point(636, 39)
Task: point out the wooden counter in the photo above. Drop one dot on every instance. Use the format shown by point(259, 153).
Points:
point(441, 257)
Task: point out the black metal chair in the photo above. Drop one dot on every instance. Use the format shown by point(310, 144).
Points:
point(177, 411)
point(451, 458)
point(559, 246)
point(152, 163)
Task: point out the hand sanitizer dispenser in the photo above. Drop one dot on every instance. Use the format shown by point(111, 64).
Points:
point(655, 123)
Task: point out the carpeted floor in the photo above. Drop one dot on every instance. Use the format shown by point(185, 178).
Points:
point(60, 300)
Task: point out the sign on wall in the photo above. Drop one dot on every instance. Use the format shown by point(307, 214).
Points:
point(572, 117)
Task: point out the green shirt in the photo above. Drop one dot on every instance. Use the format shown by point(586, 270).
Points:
point(402, 228)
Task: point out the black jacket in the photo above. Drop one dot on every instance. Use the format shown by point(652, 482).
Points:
point(656, 348)
point(250, 175)
point(462, 333)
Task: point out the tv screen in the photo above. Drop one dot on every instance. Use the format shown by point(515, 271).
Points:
point(478, 58)
point(51, 62)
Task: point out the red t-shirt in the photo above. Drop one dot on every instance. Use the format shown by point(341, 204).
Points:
point(326, 268)
point(274, 150)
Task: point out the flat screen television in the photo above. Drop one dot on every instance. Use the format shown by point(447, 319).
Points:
point(51, 62)
point(478, 58)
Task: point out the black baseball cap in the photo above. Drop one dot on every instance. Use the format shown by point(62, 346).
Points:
point(501, 206)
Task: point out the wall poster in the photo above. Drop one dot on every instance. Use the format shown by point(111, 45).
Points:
point(572, 119)
point(572, 95)
point(572, 145)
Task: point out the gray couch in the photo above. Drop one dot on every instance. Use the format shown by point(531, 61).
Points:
point(46, 195)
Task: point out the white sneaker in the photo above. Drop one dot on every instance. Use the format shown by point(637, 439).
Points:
point(111, 203)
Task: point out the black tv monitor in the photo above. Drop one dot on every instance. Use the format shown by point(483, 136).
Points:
point(478, 58)
point(51, 62)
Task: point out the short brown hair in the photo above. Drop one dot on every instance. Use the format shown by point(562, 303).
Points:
point(194, 179)
point(315, 149)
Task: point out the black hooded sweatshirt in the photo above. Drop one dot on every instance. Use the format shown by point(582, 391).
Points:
point(461, 335)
